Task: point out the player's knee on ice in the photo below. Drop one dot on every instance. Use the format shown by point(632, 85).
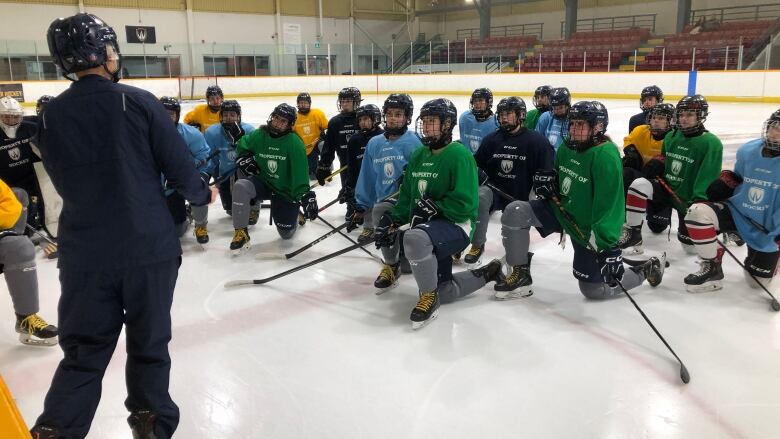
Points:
point(16, 251)
point(417, 245)
point(518, 215)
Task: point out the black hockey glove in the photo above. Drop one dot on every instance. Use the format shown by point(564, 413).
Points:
point(385, 231)
point(346, 195)
point(723, 187)
point(654, 168)
point(246, 163)
point(546, 184)
point(631, 158)
point(323, 172)
point(309, 204)
point(194, 124)
point(482, 177)
point(356, 219)
point(424, 211)
point(234, 131)
point(611, 263)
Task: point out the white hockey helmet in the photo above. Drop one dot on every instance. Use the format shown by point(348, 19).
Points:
point(10, 116)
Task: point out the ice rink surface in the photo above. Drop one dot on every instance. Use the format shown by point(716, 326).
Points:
point(319, 355)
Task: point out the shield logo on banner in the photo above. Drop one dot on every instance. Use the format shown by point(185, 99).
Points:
point(141, 34)
point(422, 185)
point(566, 185)
point(506, 166)
point(389, 170)
point(676, 167)
point(307, 130)
point(14, 153)
point(755, 195)
point(272, 166)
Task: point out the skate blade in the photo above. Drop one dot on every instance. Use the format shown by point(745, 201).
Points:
point(705, 287)
point(239, 251)
point(520, 293)
point(633, 251)
point(473, 265)
point(418, 325)
point(30, 340)
point(380, 291)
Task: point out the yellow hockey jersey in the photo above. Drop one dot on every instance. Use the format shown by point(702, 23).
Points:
point(202, 116)
point(642, 138)
point(309, 127)
point(10, 207)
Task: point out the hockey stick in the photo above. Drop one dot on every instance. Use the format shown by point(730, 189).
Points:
point(774, 303)
point(302, 249)
point(752, 222)
point(42, 235)
point(684, 375)
point(350, 239)
point(241, 282)
point(330, 177)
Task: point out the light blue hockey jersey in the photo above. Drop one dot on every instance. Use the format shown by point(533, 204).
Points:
point(758, 197)
point(225, 162)
point(383, 164)
point(472, 131)
point(198, 148)
point(550, 128)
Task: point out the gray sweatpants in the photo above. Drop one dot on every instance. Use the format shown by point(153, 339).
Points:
point(483, 216)
point(516, 222)
point(418, 248)
point(17, 257)
point(390, 254)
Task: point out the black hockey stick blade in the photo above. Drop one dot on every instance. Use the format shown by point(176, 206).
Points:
point(775, 305)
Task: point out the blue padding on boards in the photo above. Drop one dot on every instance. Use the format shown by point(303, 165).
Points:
point(692, 82)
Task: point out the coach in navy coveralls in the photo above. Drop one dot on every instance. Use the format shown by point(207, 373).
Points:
point(105, 145)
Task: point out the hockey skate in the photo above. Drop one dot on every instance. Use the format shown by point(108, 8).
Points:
point(240, 241)
point(730, 238)
point(456, 258)
point(631, 240)
point(474, 256)
point(301, 219)
point(653, 269)
point(517, 285)
point(492, 272)
point(201, 234)
point(34, 331)
point(388, 278)
point(142, 424)
point(426, 310)
point(365, 236)
point(708, 278)
point(44, 432)
point(254, 215)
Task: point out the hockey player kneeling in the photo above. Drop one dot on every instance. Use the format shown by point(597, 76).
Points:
point(587, 182)
point(439, 198)
point(273, 161)
point(746, 201)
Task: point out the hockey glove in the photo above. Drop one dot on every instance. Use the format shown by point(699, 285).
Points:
point(723, 187)
point(356, 219)
point(323, 172)
point(482, 177)
point(654, 168)
point(234, 132)
point(611, 263)
point(194, 125)
point(205, 176)
point(346, 195)
point(546, 184)
point(246, 163)
point(385, 232)
point(424, 211)
point(309, 204)
point(631, 158)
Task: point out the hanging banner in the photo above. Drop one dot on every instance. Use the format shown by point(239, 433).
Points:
point(12, 90)
point(291, 37)
point(141, 34)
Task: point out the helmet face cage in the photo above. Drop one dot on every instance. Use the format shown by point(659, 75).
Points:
point(513, 104)
point(41, 103)
point(303, 97)
point(697, 104)
point(400, 101)
point(665, 110)
point(595, 114)
point(540, 92)
point(448, 118)
point(282, 111)
point(771, 134)
point(230, 105)
point(171, 104)
point(651, 90)
point(371, 111)
point(487, 95)
point(560, 96)
point(347, 94)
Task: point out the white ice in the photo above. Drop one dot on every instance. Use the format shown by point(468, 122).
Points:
point(319, 355)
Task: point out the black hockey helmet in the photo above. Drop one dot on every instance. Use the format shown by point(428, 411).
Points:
point(283, 111)
point(347, 94)
point(772, 142)
point(171, 104)
point(214, 90)
point(665, 110)
point(487, 95)
point(651, 91)
point(81, 42)
point(597, 117)
point(402, 101)
point(696, 103)
point(514, 104)
point(541, 91)
point(373, 112)
point(560, 96)
point(40, 104)
point(303, 97)
point(445, 110)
